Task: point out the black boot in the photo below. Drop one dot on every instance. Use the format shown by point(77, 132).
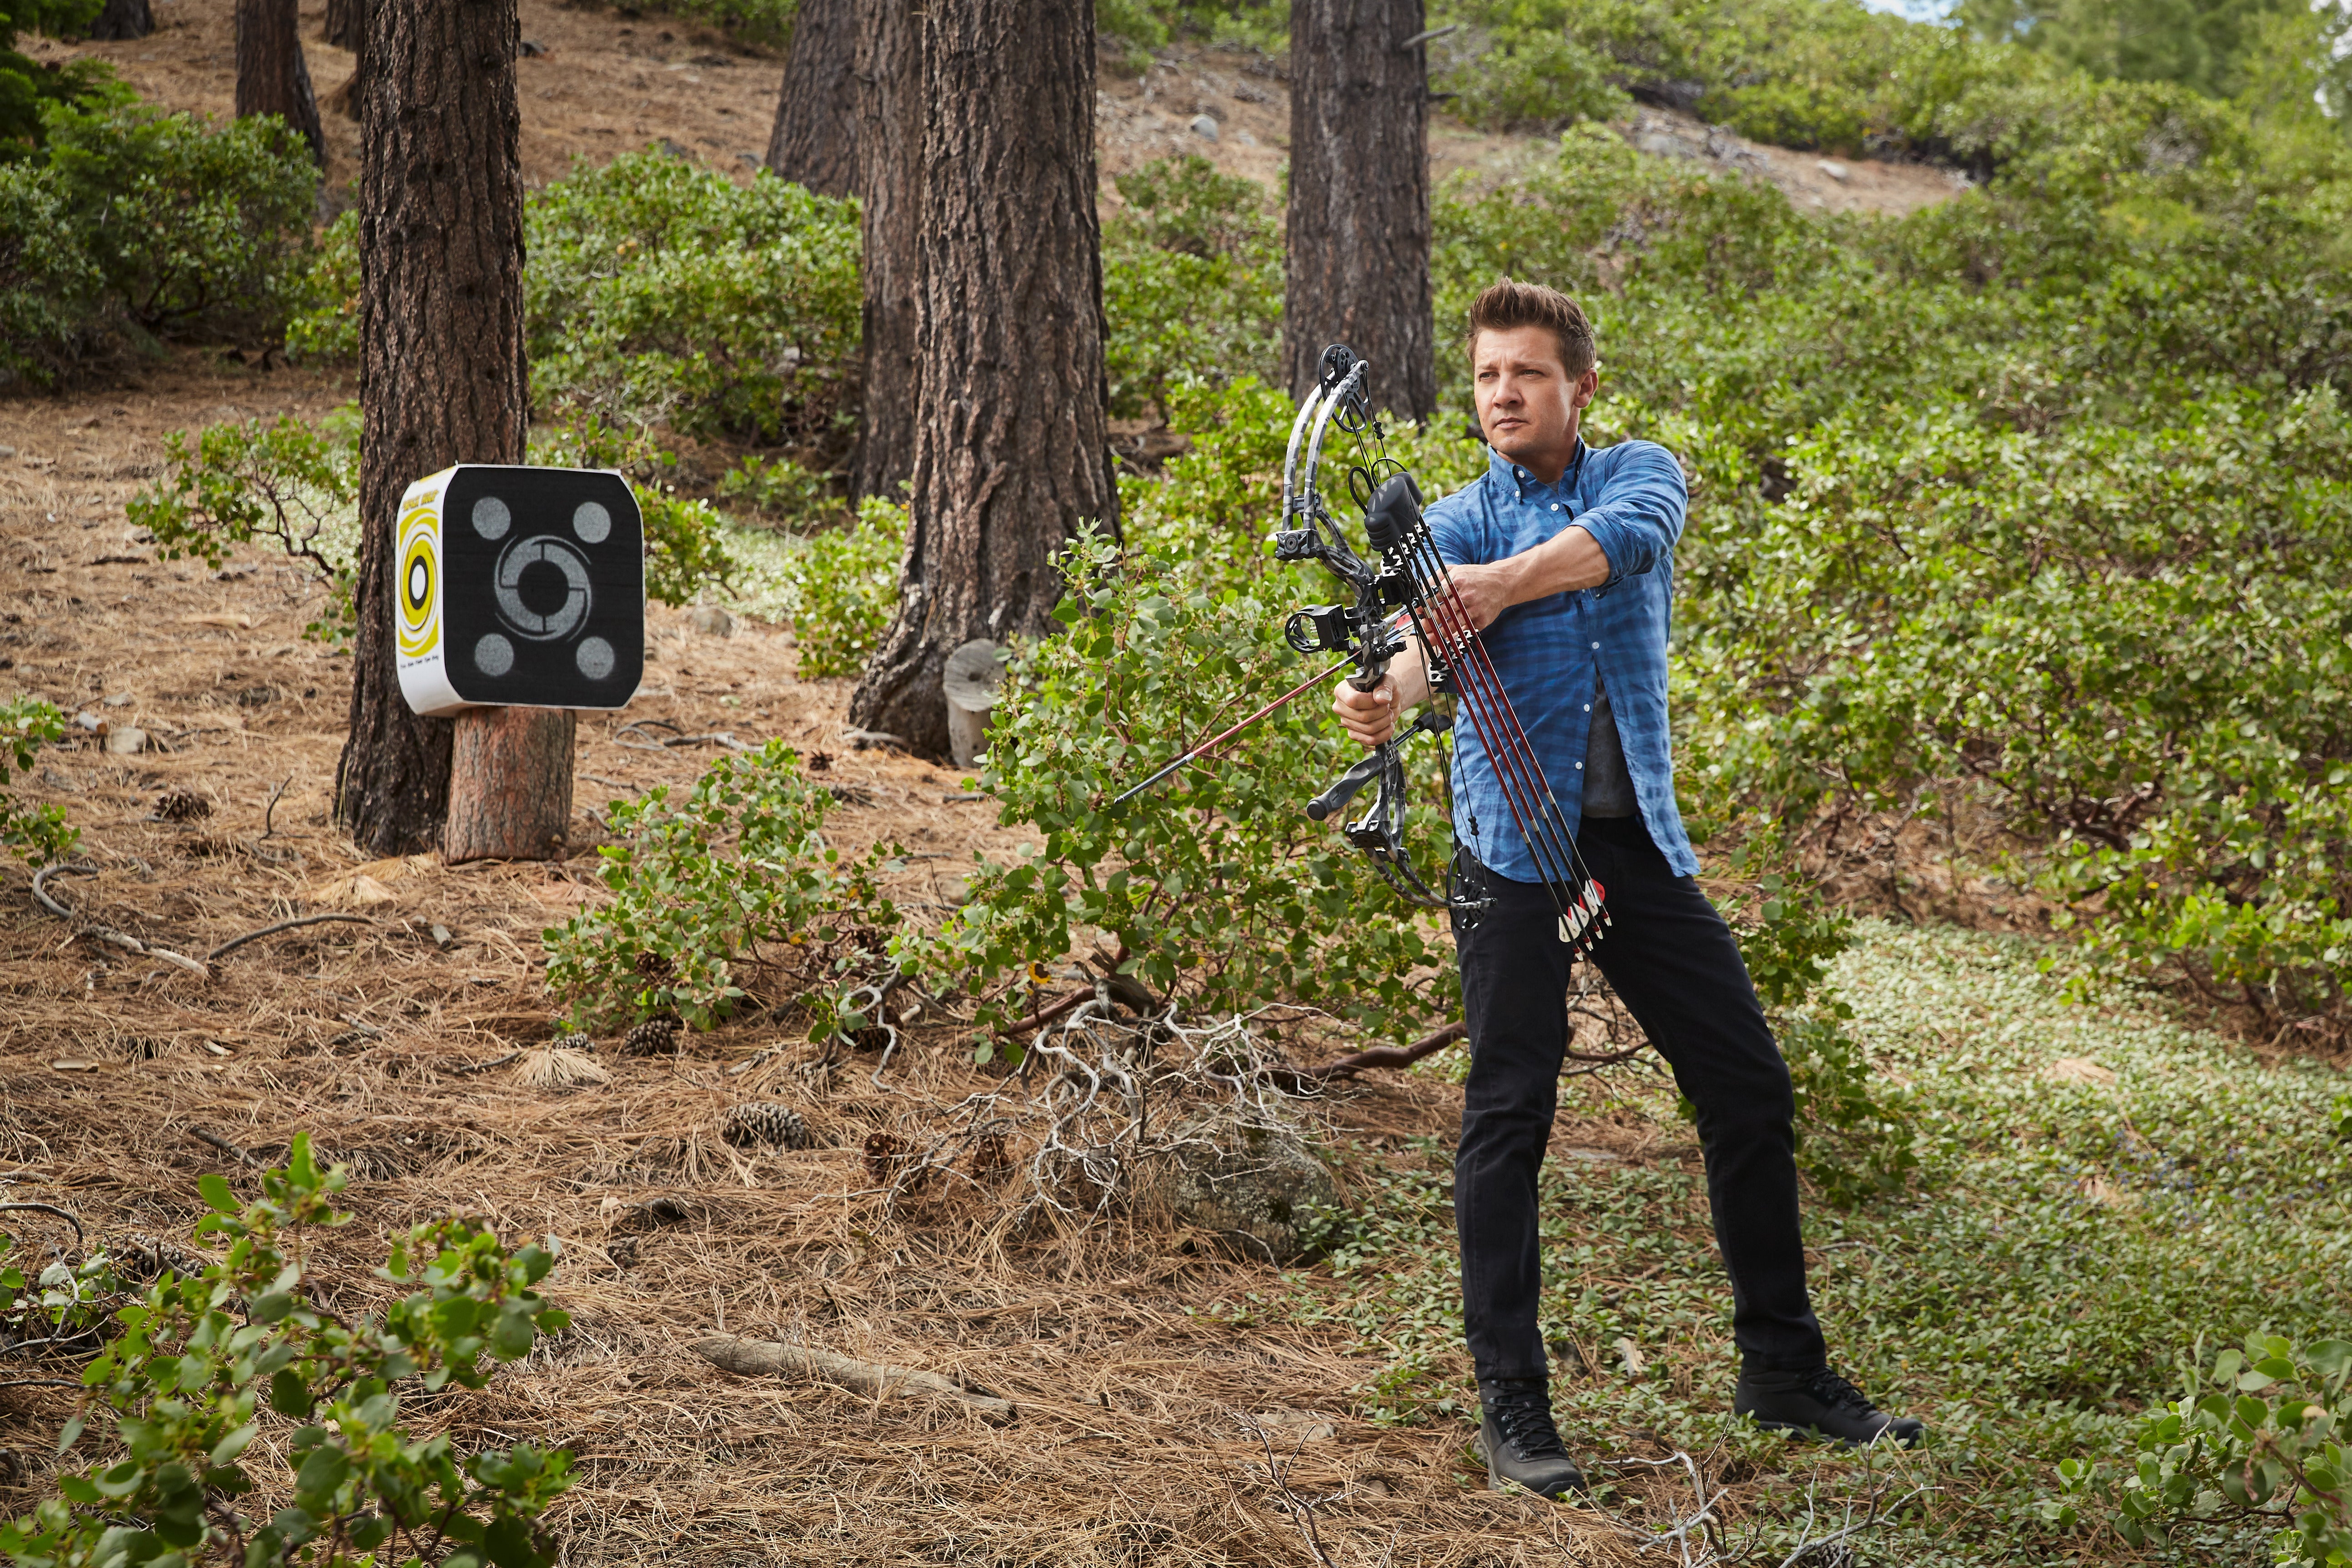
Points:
point(1823, 1404)
point(1518, 1442)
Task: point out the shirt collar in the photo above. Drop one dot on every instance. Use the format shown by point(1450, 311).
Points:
point(1505, 471)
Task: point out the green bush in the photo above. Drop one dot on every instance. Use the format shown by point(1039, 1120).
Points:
point(732, 894)
point(325, 326)
point(291, 482)
point(2257, 1436)
point(662, 292)
point(842, 587)
point(177, 1397)
point(27, 85)
point(1193, 281)
point(134, 225)
point(781, 488)
point(37, 834)
point(768, 21)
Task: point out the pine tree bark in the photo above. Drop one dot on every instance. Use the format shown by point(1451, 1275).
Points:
point(441, 382)
point(1358, 219)
point(272, 77)
point(510, 784)
point(890, 74)
point(1011, 434)
point(123, 19)
point(347, 28)
point(815, 142)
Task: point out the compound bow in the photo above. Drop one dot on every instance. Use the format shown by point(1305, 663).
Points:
point(1408, 588)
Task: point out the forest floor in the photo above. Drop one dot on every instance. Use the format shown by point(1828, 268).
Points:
point(1143, 1363)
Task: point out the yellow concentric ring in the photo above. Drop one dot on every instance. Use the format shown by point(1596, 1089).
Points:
point(419, 588)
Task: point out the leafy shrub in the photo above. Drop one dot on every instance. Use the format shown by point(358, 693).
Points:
point(780, 487)
point(180, 1391)
point(2257, 1436)
point(135, 225)
point(1193, 281)
point(662, 292)
point(732, 892)
point(768, 21)
point(291, 482)
point(843, 586)
point(325, 326)
point(1216, 881)
point(26, 84)
point(39, 834)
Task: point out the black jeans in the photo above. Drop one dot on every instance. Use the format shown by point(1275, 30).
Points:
point(1674, 961)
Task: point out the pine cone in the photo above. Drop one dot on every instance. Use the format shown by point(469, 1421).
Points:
point(654, 967)
point(992, 1157)
point(182, 805)
point(886, 1153)
point(574, 1043)
point(143, 1259)
point(657, 1036)
point(764, 1123)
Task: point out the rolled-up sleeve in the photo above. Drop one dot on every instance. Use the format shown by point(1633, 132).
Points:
point(1639, 514)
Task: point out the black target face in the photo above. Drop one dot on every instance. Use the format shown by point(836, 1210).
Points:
point(543, 587)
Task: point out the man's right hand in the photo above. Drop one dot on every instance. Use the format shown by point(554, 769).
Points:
point(1369, 716)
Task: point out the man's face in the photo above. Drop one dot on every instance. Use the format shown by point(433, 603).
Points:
point(1528, 405)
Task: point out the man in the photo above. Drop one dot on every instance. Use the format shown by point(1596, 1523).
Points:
point(1564, 554)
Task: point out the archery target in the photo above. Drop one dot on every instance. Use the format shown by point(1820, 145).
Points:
point(521, 586)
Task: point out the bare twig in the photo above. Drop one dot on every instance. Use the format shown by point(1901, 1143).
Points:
point(81, 1242)
point(224, 949)
point(42, 1383)
point(226, 1147)
point(268, 810)
point(107, 934)
point(1300, 1509)
point(493, 1062)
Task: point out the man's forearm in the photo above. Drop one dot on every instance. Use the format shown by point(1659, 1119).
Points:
point(1568, 559)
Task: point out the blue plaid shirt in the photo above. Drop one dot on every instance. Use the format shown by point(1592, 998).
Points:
point(1631, 499)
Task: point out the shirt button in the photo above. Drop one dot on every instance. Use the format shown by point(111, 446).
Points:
point(1555, 506)
point(1579, 767)
point(1587, 708)
point(1596, 647)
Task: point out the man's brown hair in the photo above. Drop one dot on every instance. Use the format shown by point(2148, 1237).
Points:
point(1508, 305)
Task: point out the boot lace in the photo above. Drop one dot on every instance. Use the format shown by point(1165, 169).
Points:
point(1525, 1421)
point(1839, 1395)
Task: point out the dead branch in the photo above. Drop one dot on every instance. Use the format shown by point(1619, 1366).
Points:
point(107, 934)
point(1300, 1509)
point(1045, 1015)
point(81, 1242)
point(42, 1383)
point(224, 949)
point(1390, 1056)
point(776, 1358)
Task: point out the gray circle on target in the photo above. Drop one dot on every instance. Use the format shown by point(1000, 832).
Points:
point(493, 655)
point(491, 517)
point(592, 522)
point(594, 657)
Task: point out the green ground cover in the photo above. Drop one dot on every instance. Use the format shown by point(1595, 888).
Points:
point(2104, 1190)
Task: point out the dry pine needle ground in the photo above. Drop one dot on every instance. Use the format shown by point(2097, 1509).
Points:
point(1128, 1449)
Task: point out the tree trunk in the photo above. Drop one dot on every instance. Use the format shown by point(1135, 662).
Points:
point(890, 189)
point(123, 19)
point(510, 784)
point(441, 379)
point(815, 142)
point(347, 28)
point(1011, 451)
point(271, 76)
point(1358, 221)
